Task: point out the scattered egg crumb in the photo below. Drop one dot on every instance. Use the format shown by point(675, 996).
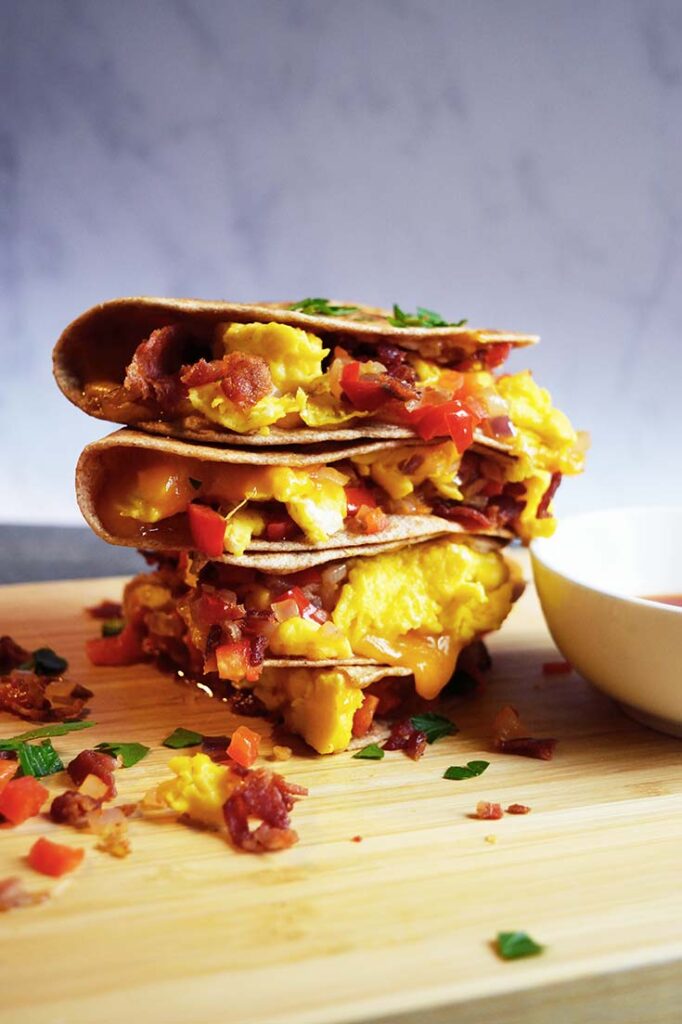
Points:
point(281, 753)
point(491, 839)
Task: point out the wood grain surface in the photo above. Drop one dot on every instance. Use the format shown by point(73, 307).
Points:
point(398, 927)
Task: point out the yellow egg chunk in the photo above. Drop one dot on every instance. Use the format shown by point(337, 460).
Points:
point(199, 789)
point(401, 470)
point(244, 524)
point(209, 400)
point(304, 638)
point(323, 410)
point(419, 606)
point(545, 438)
point(293, 355)
point(317, 704)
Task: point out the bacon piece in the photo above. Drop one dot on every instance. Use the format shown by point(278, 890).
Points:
point(506, 724)
point(269, 798)
point(14, 895)
point(528, 746)
point(518, 809)
point(405, 737)
point(468, 518)
point(244, 378)
point(23, 695)
point(73, 808)
point(106, 610)
point(94, 762)
point(11, 654)
point(364, 716)
point(487, 811)
point(543, 507)
point(154, 371)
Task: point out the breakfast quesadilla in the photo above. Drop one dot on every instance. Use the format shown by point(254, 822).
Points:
point(296, 373)
point(307, 641)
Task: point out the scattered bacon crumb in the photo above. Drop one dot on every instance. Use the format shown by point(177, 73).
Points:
point(106, 610)
point(356, 839)
point(491, 839)
point(518, 809)
point(281, 753)
point(556, 668)
point(404, 736)
point(11, 654)
point(14, 895)
point(112, 829)
point(508, 737)
point(506, 724)
point(269, 798)
point(487, 811)
point(94, 762)
point(25, 695)
point(543, 507)
point(72, 808)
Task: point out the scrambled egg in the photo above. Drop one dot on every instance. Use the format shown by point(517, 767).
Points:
point(421, 605)
point(294, 358)
point(241, 526)
point(317, 704)
point(199, 789)
point(401, 470)
point(304, 638)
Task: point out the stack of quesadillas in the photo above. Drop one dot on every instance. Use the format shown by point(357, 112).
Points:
point(326, 490)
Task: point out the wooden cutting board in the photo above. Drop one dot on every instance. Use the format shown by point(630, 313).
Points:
point(397, 927)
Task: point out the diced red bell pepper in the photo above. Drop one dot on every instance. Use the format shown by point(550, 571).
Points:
point(123, 649)
point(453, 418)
point(208, 530)
point(53, 858)
point(22, 799)
point(8, 769)
point(244, 746)
point(233, 662)
point(364, 394)
point(496, 354)
point(357, 496)
point(364, 716)
point(306, 609)
point(370, 520)
point(281, 528)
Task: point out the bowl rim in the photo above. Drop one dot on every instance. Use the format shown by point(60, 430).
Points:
point(655, 607)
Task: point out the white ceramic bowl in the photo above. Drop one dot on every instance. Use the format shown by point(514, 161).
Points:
point(591, 577)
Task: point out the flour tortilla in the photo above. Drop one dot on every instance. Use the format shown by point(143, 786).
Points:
point(91, 475)
point(100, 343)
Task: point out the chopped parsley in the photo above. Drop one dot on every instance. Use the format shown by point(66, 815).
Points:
point(472, 769)
point(38, 759)
point(513, 945)
point(180, 738)
point(321, 307)
point(422, 318)
point(372, 752)
point(130, 753)
point(58, 729)
point(112, 627)
point(45, 662)
point(433, 725)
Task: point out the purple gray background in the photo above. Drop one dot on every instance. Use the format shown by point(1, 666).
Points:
point(517, 162)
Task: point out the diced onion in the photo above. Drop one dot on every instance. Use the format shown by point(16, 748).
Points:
point(331, 474)
point(501, 426)
point(287, 609)
point(93, 786)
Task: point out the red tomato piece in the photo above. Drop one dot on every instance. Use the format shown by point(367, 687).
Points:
point(8, 769)
point(54, 859)
point(357, 496)
point(22, 798)
point(244, 746)
point(364, 716)
point(364, 394)
point(124, 649)
point(208, 530)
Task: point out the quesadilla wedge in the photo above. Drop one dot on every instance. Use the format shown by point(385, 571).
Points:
point(163, 494)
point(307, 641)
point(291, 373)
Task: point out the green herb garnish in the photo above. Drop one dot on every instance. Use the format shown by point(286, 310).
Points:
point(196, 484)
point(112, 627)
point(512, 945)
point(372, 752)
point(38, 759)
point(58, 729)
point(44, 662)
point(422, 318)
point(130, 753)
point(321, 307)
point(180, 738)
point(435, 726)
point(473, 768)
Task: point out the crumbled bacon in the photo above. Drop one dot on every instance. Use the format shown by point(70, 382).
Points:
point(72, 808)
point(25, 695)
point(518, 809)
point(543, 507)
point(528, 746)
point(11, 654)
point(487, 811)
point(154, 371)
point(266, 797)
point(14, 895)
point(94, 762)
point(470, 519)
point(404, 736)
point(506, 724)
point(106, 610)
point(364, 716)
point(244, 378)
